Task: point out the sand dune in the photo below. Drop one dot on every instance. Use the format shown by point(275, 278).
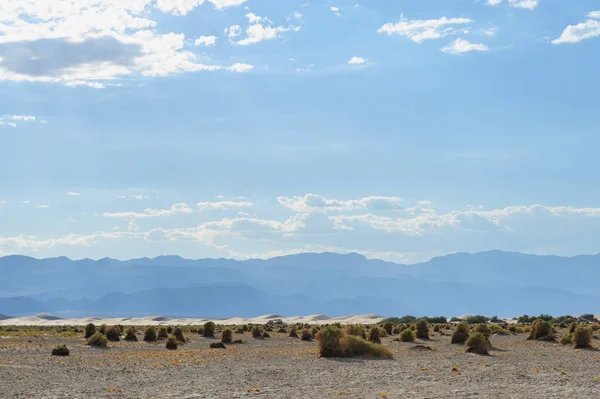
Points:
point(49, 320)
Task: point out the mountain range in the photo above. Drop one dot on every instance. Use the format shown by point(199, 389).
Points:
point(491, 283)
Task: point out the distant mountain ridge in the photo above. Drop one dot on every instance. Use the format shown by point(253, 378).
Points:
point(493, 282)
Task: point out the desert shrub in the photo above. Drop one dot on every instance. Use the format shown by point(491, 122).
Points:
point(60, 350)
point(483, 329)
point(375, 335)
point(208, 330)
point(169, 329)
point(239, 331)
point(306, 335)
point(396, 329)
point(113, 334)
point(595, 327)
point(163, 333)
point(130, 334)
point(422, 330)
point(525, 319)
point(572, 328)
point(512, 328)
point(150, 334)
point(178, 334)
point(266, 335)
point(294, 332)
point(245, 328)
point(476, 319)
point(98, 340)
point(388, 327)
point(435, 320)
point(590, 318)
point(335, 342)
point(217, 345)
point(171, 343)
point(436, 328)
point(566, 339)
point(400, 320)
point(90, 330)
point(541, 330)
point(282, 330)
point(256, 332)
point(226, 335)
point(356, 330)
point(478, 343)
point(407, 335)
point(497, 329)
point(315, 331)
point(582, 337)
point(461, 333)
point(102, 329)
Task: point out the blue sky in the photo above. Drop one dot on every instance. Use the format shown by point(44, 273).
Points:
point(401, 130)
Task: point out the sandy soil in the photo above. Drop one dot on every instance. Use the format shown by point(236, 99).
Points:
point(286, 367)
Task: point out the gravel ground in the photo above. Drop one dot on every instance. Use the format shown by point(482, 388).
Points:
point(286, 367)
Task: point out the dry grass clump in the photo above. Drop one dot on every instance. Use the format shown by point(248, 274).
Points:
point(307, 335)
point(113, 334)
point(130, 334)
point(356, 330)
point(566, 339)
point(227, 335)
point(478, 343)
point(461, 333)
point(90, 330)
point(257, 332)
point(60, 350)
point(582, 337)
point(208, 331)
point(97, 340)
point(178, 334)
point(422, 329)
point(541, 330)
point(163, 333)
point(407, 335)
point(150, 334)
point(294, 332)
point(388, 327)
point(335, 342)
point(266, 335)
point(375, 334)
point(171, 343)
point(572, 328)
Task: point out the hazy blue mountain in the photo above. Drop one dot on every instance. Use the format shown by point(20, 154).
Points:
point(492, 282)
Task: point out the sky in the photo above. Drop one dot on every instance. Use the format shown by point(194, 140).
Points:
point(401, 130)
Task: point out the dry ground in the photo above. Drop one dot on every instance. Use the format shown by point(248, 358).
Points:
point(283, 367)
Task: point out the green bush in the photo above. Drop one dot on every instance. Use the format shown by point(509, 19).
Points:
point(357, 330)
point(387, 326)
point(476, 319)
point(150, 334)
point(227, 335)
point(567, 339)
point(582, 337)
point(102, 329)
point(422, 330)
point(171, 343)
point(335, 342)
point(178, 333)
point(375, 335)
point(98, 340)
point(209, 329)
point(90, 330)
point(541, 330)
point(130, 334)
point(306, 335)
point(461, 333)
point(407, 335)
point(478, 343)
point(113, 334)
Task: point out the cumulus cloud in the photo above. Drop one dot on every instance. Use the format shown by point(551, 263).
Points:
point(11, 120)
point(583, 30)
point(528, 4)
point(316, 202)
point(462, 46)
point(206, 41)
point(260, 29)
point(221, 205)
point(241, 68)
point(181, 207)
point(335, 10)
point(421, 30)
point(73, 194)
point(356, 61)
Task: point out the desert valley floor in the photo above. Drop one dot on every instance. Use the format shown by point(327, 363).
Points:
point(281, 366)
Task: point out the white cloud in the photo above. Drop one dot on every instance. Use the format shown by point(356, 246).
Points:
point(181, 207)
point(297, 15)
point(461, 46)
point(73, 194)
point(233, 31)
point(43, 206)
point(356, 61)
point(206, 41)
point(178, 7)
point(316, 202)
point(261, 28)
point(420, 30)
point(494, 2)
point(527, 4)
point(240, 67)
point(584, 30)
point(220, 4)
point(221, 205)
point(335, 10)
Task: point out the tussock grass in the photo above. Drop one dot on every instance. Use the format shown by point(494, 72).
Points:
point(478, 343)
point(150, 334)
point(461, 333)
point(97, 340)
point(226, 335)
point(336, 342)
point(171, 343)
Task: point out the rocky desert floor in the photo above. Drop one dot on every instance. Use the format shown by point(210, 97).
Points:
point(284, 367)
